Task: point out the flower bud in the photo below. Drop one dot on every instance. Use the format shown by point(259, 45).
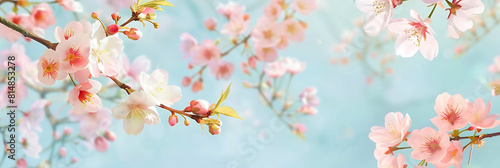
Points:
point(67, 131)
point(142, 16)
point(110, 136)
point(186, 122)
point(62, 152)
point(252, 61)
point(23, 3)
point(101, 144)
point(197, 86)
point(247, 84)
point(74, 160)
point(21, 163)
point(156, 25)
point(116, 16)
point(186, 81)
point(172, 120)
point(151, 16)
point(210, 24)
point(133, 34)
point(94, 15)
point(214, 129)
point(200, 107)
point(56, 135)
point(112, 29)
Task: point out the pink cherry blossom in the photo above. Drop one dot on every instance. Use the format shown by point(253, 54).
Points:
point(42, 16)
point(293, 30)
point(236, 26)
point(300, 128)
point(478, 115)
point(84, 97)
point(156, 85)
point(230, 10)
point(62, 152)
point(393, 162)
point(82, 76)
point(30, 143)
point(304, 6)
point(205, 53)
point(266, 54)
point(450, 111)
point(49, 69)
point(309, 110)
point(273, 10)
point(10, 34)
point(22, 60)
point(186, 81)
point(138, 109)
point(200, 107)
point(378, 14)
point(414, 35)
point(105, 53)
point(429, 144)
point(133, 34)
point(197, 86)
point(101, 145)
point(394, 132)
point(460, 16)
point(293, 65)
point(275, 69)
point(454, 156)
point(73, 28)
point(308, 96)
point(67, 131)
point(172, 120)
point(267, 33)
point(90, 124)
point(188, 42)
point(210, 24)
point(221, 69)
point(139, 65)
point(73, 53)
point(71, 5)
point(32, 118)
point(109, 135)
point(283, 44)
point(21, 163)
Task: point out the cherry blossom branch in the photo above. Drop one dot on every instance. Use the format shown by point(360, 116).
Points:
point(244, 41)
point(482, 136)
point(28, 34)
point(269, 103)
point(134, 17)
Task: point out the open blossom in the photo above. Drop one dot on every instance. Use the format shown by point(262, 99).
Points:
point(273, 10)
point(429, 144)
point(453, 157)
point(460, 16)
point(188, 42)
point(139, 65)
point(133, 34)
point(304, 6)
point(104, 52)
point(71, 5)
point(269, 54)
point(100, 144)
point(236, 26)
point(267, 33)
point(42, 16)
point(293, 65)
point(308, 96)
point(32, 118)
point(293, 30)
point(394, 132)
point(478, 115)
point(378, 14)
point(138, 109)
point(414, 35)
point(393, 162)
point(49, 69)
point(200, 107)
point(221, 69)
point(84, 97)
point(231, 10)
point(156, 85)
point(73, 28)
point(275, 69)
point(205, 53)
point(30, 144)
point(450, 111)
point(307, 109)
point(210, 24)
point(92, 123)
point(74, 53)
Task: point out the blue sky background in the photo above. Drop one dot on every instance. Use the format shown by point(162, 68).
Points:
point(336, 137)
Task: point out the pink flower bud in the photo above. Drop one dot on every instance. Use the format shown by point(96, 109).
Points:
point(133, 34)
point(56, 135)
point(21, 163)
point(200, 107)
point(67, 131)
point(214, 129)
point(110, 136)
point(300, 128)
point(186, 122)
point(74, 160)
point(172, 120)
point(197, 86)
point(252, 61)
point(94, 15)
point(112, 29)
point(186, 81)
point(62, 152)
point(210, 24)
point(101, 144)
point(115, 16)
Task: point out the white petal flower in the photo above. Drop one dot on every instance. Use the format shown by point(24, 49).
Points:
point(137, 110)
point(156, 85)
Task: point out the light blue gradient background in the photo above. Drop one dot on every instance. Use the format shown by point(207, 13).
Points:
point(336, 137)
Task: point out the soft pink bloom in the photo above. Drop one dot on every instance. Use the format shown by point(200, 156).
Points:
point(205, 53)
point(10, 34)
point(275, 69)
point(84, 97)
point(71, 5)
point(293, 65)
point(252, 61)
point(267, 33)
point(308, 96)
point(450, 111)
point(215, 129)
point(73, 29)
point(62, 152)
point(188, 42)
point(460, 16)
point(283, 44)
point(304, 6)
point(394, 132)
point(74, 160)
point(34, 116)
point(378, 14)
point(30, 143)
point(478, 115)
point(300, 128)
point(414, 35)
point(393, 162)
point(21, 163)
point(293, 30)
point(156, 85)
point(138, 109)
point(82, 76)
point(49, 69)
point(186, 81)
point(429, 144)
point(236, 26)
point(273, 10)
point(73, 53)
point(67, 131)
point(172, 120)
point(197, 86)
point(109, 135)
point(200, 107)
point(306, 109)
point(266, 54)
point(22, 60)
point(42, 16)
point(92, 123)
point(210, 24)
point(133, 34)
point(230, 10)
point(101, 145)
point(495, 67)
point(454, 156)
point(139, 65)
point(221, 69)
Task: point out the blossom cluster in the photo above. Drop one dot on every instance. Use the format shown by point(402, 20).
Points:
point(416, 34)
point(440, 147)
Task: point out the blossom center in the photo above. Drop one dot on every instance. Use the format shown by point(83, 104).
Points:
point(268, 34)
point(73, 54)
point(417, 32)
point(451, 114)
point(431, 145)
point(85, 96)
point(50, 68)
point(379, 6)
point(68, 33)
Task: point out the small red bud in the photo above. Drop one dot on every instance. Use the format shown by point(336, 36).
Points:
point(112, 29)
point(116, 16)
point(172, 120)
point(94, 15)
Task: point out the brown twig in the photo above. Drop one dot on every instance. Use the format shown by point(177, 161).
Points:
point(27, 33)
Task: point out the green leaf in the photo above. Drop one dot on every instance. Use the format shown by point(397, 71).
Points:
point(228, 111)
point(155, 4)
point(223, 96)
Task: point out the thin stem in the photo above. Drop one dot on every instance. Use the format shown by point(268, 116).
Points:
point(432, 12)
point(28, 34)
point(478, 136)
point(245, 40)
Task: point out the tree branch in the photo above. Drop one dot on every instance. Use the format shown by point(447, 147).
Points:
point(27, 33)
